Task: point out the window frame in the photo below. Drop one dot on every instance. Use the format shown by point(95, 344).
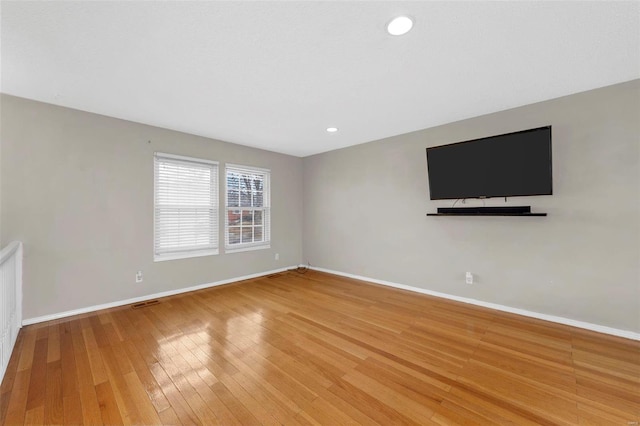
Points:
point(266, 209)
point(215, 200)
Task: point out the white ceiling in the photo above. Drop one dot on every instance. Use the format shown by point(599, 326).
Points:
point(275, 75)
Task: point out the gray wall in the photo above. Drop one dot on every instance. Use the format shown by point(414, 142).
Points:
point(77, 189)
point(364, 213)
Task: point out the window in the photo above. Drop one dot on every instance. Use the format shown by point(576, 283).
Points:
point(247, 219)
point(186, 207)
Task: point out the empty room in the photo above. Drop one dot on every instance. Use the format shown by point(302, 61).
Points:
point(319, 212)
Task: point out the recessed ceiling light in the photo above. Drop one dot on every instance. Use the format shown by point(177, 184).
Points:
point(332, 129)
point(400, 25)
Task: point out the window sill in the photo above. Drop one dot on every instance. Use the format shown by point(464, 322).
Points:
point(248, 248)
point(176, 256)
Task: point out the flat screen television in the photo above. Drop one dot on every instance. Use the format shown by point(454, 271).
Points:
point(509, 165)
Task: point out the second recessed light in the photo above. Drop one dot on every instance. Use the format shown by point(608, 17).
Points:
point(400, 25)
point(332, 129)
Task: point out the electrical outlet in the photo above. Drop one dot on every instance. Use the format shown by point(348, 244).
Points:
point(469, 278)
point(139, 277)
point(277, 256)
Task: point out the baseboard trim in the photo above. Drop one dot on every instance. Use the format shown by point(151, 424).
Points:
point(552, 318)
point(94, 308)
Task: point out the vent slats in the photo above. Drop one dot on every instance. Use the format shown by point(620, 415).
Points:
point(144, 304)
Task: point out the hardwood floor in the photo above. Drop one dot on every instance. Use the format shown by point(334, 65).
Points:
point(316, 349)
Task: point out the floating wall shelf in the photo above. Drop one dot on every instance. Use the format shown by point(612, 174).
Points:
point(486, 211)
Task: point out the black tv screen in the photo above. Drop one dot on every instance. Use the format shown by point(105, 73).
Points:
point(509, 165)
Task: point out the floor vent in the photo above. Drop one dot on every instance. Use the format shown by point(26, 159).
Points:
point(144, 304)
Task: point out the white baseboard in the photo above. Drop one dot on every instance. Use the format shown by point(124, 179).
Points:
point(94, 308)
point(561, 320)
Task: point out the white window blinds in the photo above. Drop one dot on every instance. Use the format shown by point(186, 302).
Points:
point(186, 207)
point(248, 212)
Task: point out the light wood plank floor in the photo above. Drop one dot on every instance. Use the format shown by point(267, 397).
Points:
point(316, 349)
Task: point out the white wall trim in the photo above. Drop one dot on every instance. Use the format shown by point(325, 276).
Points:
point(94, 308)
point(552, 318)
point(561, 320)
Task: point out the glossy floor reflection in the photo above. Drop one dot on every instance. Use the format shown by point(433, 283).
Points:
point(316, 349)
